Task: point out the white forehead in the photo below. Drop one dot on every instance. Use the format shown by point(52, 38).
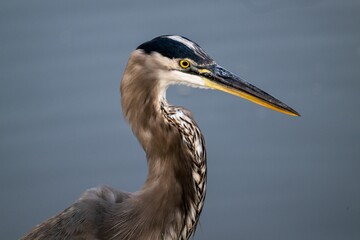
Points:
point(184, 41)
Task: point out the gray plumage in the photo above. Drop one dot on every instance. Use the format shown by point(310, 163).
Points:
point(169, 204)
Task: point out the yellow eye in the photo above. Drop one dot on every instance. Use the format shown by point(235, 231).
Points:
point(184, 64)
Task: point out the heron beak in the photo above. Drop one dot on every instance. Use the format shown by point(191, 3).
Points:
point(216, 77)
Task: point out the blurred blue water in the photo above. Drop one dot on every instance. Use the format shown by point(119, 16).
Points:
point(270, 176)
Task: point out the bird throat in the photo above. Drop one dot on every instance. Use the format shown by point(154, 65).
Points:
point(194, 144)
point(174, 192)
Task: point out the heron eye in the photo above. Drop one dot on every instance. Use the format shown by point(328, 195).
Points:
point(184, 64)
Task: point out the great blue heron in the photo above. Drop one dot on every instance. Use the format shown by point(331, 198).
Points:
point(169, 204)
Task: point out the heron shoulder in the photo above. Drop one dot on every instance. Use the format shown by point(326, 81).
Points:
point(82, 220)
point(104, 193)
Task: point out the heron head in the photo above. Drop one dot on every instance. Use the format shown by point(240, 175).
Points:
point(182, 61)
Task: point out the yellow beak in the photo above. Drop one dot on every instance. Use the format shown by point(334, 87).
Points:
point(221, 79)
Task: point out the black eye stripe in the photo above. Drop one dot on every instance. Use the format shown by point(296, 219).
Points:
point(174, 49)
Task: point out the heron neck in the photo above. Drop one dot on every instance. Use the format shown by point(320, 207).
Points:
point(175, 187)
